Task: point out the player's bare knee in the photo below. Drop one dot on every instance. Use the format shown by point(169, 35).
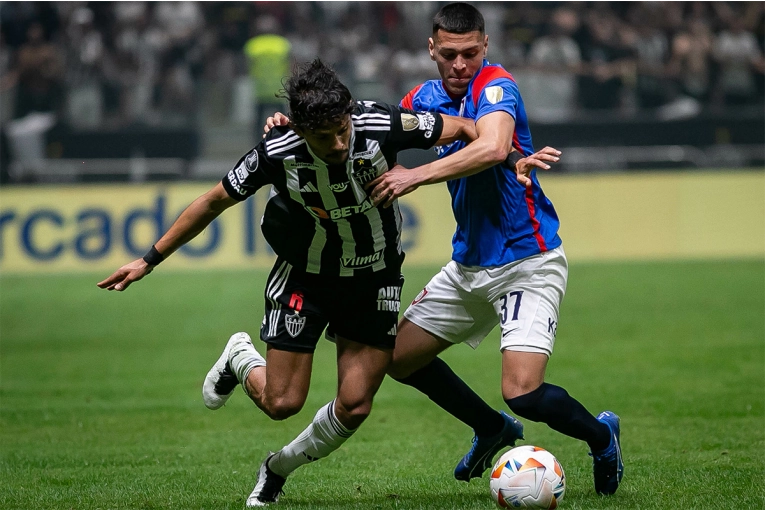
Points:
point(282, 408)
point(352, 412)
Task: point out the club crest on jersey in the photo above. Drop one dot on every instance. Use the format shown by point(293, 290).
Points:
point(494, 94)
point(363, 171)
point(409, 122)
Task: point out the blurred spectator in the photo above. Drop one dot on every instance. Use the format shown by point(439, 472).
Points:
point(85, 59)
point(738, 55)
point(607, 61)
point(268, 57)
point(690, 62)
point(652, 51)
point(556, 60)
point(38, 69)
point(524, 22)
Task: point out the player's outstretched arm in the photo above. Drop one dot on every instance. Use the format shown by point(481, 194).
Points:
point(457, 128)
point(193, 220)
point(493, 144)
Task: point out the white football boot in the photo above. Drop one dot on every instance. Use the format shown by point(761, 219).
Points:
point(221, 381)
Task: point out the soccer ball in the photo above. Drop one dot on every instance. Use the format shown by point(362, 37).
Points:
point(527, 477)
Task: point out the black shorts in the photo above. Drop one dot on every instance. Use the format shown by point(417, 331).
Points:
point(299, 306)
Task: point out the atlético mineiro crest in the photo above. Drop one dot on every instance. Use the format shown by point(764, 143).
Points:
point(295, 323)
point(363, 171)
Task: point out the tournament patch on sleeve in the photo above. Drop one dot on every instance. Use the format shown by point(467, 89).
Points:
point(494, 94)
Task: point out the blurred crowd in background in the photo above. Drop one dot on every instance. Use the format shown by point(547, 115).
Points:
point(110, 64)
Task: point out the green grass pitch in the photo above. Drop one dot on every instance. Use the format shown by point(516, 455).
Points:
point(100, 403)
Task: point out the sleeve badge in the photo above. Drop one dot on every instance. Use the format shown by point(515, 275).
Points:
point(494, 94)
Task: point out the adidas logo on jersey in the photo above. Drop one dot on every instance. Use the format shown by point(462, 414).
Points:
point(309, 188)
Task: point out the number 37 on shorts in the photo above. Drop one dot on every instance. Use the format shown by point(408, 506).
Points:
point(464, 304)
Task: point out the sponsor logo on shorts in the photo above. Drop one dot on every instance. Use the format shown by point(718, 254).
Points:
point(295, 323)
point(418, 297)
point(552, 326)
point(360, 262)
point(389, 299)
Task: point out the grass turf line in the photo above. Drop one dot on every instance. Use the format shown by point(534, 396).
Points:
point(100, 403)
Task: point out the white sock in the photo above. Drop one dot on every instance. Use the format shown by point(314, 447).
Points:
point(323, 436)
point(244, 358)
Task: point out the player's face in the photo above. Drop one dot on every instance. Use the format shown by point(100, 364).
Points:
point(331, 142)
point(458, 57)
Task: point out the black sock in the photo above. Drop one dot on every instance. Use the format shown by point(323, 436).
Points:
point(554, 406)
point(448, 391)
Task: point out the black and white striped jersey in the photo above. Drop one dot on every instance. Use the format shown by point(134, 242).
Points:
point(318, 216)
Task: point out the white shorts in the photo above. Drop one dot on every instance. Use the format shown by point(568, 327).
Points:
point(464, 303)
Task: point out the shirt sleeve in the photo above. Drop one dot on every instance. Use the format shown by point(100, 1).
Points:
point(499, 95)
point(248, 175)
point(410, 129)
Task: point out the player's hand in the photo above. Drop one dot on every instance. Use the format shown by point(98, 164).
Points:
point(127, 274)
point(395, 183)
point(279, 119)
point(524, 166)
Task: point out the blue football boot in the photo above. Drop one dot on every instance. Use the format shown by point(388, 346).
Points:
point(607, 465)
point(479, 458)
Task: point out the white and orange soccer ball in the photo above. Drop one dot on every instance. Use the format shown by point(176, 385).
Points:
point(527, 477)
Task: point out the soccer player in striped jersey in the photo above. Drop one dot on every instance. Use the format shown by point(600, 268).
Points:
point(508, 266)
point(338, 259)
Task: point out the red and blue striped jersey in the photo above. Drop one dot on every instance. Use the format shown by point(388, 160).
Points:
point(498, 219)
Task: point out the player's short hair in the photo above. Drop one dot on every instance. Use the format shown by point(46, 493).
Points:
point(316, 96)
point(459, 18)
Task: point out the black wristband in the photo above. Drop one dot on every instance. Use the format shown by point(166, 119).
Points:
point(513, 158)
point(153, 257)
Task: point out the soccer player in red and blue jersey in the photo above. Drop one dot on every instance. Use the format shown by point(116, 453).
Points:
point(508, 266)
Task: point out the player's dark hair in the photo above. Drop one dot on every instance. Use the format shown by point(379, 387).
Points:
point(316, 96)
point(458, 18)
